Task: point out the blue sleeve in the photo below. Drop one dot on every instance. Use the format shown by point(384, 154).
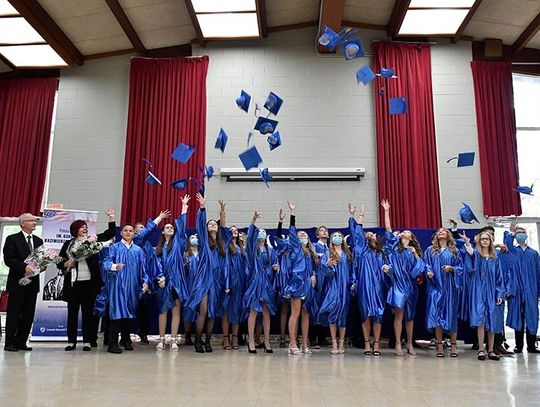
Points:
point(359, 242)
point(325, 269)
point(251, 246)
point(418, 268)
point(180, 235)
point(202, 232)
point(109, 259)
point(538, 275)
point(508, 241)
point(457, 264)
point(143, 272)
point(141, 237)
point(499, 280)
point(390, 243)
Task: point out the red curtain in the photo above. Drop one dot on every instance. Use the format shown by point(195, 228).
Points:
point(497, 145)
point(167, 106)
point(407, 169)
point(26, 110)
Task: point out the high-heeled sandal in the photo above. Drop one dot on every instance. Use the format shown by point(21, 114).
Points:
point(440, 354)
point(493, 356)
point(454, 354)
point(341, 346)
point(334, 351)
point(375, 352)
point(294, 351)
point(252, 351)
point(368, 352)
point(282, 342)
point(267, 350)
point(409, 351)
point(235, 347)
point(228, 346)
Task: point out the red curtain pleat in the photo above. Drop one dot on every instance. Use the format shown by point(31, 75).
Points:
point(497, 144)
point(26, 110)
point(167, 106)
point(406, 147)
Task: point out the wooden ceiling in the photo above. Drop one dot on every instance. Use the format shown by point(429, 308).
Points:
point(80, 30)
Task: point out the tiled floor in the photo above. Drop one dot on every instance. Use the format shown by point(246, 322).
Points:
point(49, 376)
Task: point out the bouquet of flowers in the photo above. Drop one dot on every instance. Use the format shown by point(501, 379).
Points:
point(40, 258)
point(81, 249)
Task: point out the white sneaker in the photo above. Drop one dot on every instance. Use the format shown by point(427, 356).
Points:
point(174, 347)
point(180, 340)
point(307, 351)
point(160, 345)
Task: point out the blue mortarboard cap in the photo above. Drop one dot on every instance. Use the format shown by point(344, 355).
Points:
point(209, 172)
point(464, 159)
point(387, 73)
point(274, 140)
point(180, 183)
point(183, 153)
point(265, 125)
point(365, 75)
point(525, 190)
point(152, 179)
point(466, 214)
point(398, 105)
point(265, 176)
point(243, 101)
point(221, 141)
point(329, 38)
point(353, 49)
point(250, 158)
point(273, 103)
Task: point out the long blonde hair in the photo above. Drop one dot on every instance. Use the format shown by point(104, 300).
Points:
point(491, 249)
point(333, 252)
point(450, 242)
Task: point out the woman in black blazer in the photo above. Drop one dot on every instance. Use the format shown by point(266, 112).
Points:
point(82, 283)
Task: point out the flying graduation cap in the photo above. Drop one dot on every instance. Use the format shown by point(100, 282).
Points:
point(265, 125)
point(183, 153)
point(387, 73)
point(525, 190)
point(467, 215)
point(353, 49)
point(208, 172)
point(265, 176)
point(398, 106)
point(250, 158)
point(365, 75)
point(221, 140)
point(243, 101)
point(464, 159)
point(274, 140)
point(180, 184)
point(329, 38)
point(273, 103)
point(152, 179)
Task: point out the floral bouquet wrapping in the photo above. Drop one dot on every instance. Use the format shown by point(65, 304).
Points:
point(40, 258)
point(81, 249)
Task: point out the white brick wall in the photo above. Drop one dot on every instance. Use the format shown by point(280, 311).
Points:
point(327, 120)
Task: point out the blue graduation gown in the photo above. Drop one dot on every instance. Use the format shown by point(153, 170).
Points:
point(103, 297)
point(261, 275)
point(191, 270)
point(153, 265)
point(125, 285)
point(172, 268)
point(443, 289)
point(405, 268)
point(372, 281)
point(322, 251)
point(237, 285)
point(203, 280)
point(486, 285)
point(465, 286)
point(339, 280)
point(221, 277)
point(282, 277)
point(524, 305)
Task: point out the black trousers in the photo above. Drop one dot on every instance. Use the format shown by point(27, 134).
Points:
point(143, 316)
point(122, 327)
point(20, 316)
point(531, 338)
point(82, 297)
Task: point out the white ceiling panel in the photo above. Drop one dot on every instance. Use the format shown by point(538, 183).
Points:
point(368, 11)
point(284, 12)
point(59, 9)
point(535, 42)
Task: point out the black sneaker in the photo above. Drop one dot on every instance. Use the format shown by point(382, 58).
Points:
point(199, 347)
point(207, 348)
point(113, 348)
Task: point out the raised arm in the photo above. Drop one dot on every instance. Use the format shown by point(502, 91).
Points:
point(386, 206)
point(110, 232)
point(222, 216)
point(180, 222)
point(279, 230)
point(202, 232)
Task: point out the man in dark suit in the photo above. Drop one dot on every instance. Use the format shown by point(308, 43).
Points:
point(22, 298)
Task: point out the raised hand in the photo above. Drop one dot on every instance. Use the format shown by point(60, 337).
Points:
point(453, 223)
point(292, 206)
point(110, 212)
point(465, 238)
point(448, 268)
point(222, 205)
point(513, 226)
point(362, 210)
point(386, 268)
point(281, 215)
point(185, 199)
point(352, 209)
point(385, 204)
point(201, 199)
point(164, 214)
point(256, 215)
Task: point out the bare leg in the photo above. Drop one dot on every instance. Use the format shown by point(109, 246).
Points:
point(491, 341)
point(438, 336)
point(235, 336)
point(409, 327)
point(266, 326)
point(225, 329)
point(453, 341)
point(366, 329)
point(305, 328)
point(480, 332)
point(252, 319)
point(342, 339)
point(398, 327)
point(293, 322)
point(333, 330)
point(162, 322)
point(175, 323)
point(376, 336)
point(201, 319)
point(258, 330)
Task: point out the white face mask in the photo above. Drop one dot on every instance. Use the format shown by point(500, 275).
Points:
point(194, 241)
point(303, 241)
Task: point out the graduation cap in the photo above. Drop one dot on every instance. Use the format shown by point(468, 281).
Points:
point(387, 73)
point(152, 179)
point(265, 176)
point(525, 190)
point(147, 161)
point(329, 38)
point(274, 140)
point(180, 184)
point(183, 153)
point(208, 172)
point(243, 101)
point(353, 49)
point(466, 214)
point(250, 158)
point(221, 141)
point(398, 106)
point(265, 125)
point(463, 159)
point(365, 75)
point(273, 103)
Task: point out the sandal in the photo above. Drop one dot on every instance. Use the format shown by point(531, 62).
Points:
point(228, 346)
point(452, 353)
point(336, 350)
point(493, 356)
point(341, 346)
point(481, 355)
point(282, 343)
point(440, 354)
point(368, 352)
point(375, 352)
point(235, 347)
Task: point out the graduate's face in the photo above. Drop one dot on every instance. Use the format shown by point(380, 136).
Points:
point(371, 236)
point(234, 231)
point(127, 233)
point(322, 232)
point(485, 240)
point(406, 234)
point(139, 227)
point(168, 230)
point(442, 233)
point(212, 226)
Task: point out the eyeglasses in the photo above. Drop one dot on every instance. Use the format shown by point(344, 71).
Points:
point(485, 238)
point(30, 220)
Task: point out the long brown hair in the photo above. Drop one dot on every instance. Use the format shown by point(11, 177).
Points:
point(218, 241)
point(161, 243)
point(309, 249)
point(333, 252)
point(450, 242)
point(413, 242)
point(236, 242)
point(189, 248)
